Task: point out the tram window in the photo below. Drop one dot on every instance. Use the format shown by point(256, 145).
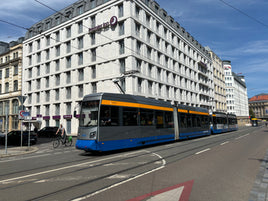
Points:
point(146, 117)
point(194, 120)
point(130, 116)
point(109, 116)
point(159, 119)
point(183, 120)
point(169, 123)
point(189, 120)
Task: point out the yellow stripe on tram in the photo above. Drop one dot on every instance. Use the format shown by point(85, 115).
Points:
point(182, 111)
point(137, 105)
point(196, 112)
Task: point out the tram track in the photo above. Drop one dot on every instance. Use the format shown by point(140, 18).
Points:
point(66, 189)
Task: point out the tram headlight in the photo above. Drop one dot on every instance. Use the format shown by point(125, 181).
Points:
point(92, 134)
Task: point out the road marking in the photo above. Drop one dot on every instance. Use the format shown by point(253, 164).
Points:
point(202, 151)
point(242, 136)
point(179, 192)
point(125, 181)
point(224, 142)
point(66, 167)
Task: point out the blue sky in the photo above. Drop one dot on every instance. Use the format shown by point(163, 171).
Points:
point(230, 34)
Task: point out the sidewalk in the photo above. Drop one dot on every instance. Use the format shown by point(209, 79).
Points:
point(15, 151)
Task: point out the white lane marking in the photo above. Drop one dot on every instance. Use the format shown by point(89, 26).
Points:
point(242, 136)
point(66, 167)
point(202, 151)
point(224, 142)
point(16, 159)
point(125, 181)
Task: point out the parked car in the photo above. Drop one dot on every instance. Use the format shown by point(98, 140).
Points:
point(49, 131)
point(14, 137)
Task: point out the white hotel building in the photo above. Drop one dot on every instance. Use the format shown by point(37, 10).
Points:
point(89, 45)
point(236, 93)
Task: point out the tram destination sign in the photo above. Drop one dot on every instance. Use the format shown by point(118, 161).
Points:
point(112, 22)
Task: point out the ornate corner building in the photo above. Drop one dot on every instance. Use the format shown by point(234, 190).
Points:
point(10, 84)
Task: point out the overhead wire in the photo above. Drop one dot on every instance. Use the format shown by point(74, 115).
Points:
point(243, 13)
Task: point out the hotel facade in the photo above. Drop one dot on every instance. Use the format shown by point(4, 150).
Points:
point(97, 45)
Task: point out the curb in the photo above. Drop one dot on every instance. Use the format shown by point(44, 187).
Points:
point(19, 151)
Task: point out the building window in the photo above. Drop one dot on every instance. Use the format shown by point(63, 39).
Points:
point(68, 47)
point(80, 58)
point(93, 21)
point(80, 74)
point(93, 39)
point(38, 83)
point(68, 62)
point(37, 97)
point(94, 87)
point(68, 77)
point(48, 40)
point(121, 47)
point(30, 48)
point(80, 27)
point(38, 57)
point(30, 60)
point(80, 91)
point(47, 82)
point(121, 28)
point(68, 93)
point(93, 3)
point(47, 54)
point(57, 96)
point(93, 72)
point(57, 64)
point(47, 68)
point(122, 65)
point(137, 11)
point(80, 43)
point(137, 28)
point(30, 73)
point(47, 96)
point(93, 54)
point(38, 70)
point(68, 32)
point(16, 85)
point(120, 10)
point(47, 110)
point(6, 87)
point(57, 20)
point(16, 70)
point(38, 44)
point(1, 74)
point(15, 105)
point(7, 73)
point(57, 51)
point(57, 80)
point(29, 86)
point(57, 36)
point(80, 10)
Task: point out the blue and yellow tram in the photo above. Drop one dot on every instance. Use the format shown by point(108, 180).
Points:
point(117, 121)
point(219, 122)
point(232, 122)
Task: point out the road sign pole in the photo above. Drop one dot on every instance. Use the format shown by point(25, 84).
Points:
point(6, 130)
point(21, 133)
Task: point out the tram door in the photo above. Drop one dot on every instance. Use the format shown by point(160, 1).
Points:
point(176, 124)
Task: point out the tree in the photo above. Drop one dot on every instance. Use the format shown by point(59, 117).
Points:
point(251, 113)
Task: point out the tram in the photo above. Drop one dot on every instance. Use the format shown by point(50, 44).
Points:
point(222, 122)
point(110, 121)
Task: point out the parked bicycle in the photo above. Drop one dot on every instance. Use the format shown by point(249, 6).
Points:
point(57, 140)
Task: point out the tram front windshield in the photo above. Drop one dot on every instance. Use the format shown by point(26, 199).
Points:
point(89, 114)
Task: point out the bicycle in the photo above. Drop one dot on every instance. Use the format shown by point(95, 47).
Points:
point(57, 140)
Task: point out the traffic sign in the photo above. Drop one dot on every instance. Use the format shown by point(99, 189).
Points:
point(23, 114)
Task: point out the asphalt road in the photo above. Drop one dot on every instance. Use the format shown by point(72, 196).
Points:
point(221, 167)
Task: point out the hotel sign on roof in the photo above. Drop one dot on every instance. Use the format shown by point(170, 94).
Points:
point(112, 22)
